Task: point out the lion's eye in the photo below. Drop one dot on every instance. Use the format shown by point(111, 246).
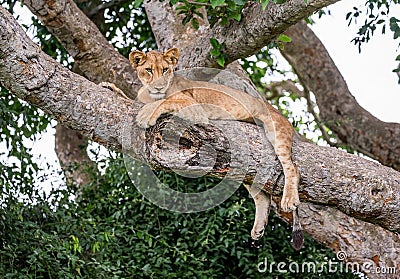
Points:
point(165, 70)
point(149, 70)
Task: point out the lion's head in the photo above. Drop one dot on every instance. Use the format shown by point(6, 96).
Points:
point(155, 70)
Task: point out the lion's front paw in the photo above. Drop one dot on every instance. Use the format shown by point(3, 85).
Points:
point(143, 119)
point(290, 201)
point(148, 115)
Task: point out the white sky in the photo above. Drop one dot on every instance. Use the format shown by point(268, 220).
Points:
point(368, 74)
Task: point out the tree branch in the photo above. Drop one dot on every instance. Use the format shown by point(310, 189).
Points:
point(104, 6)
point(95, 57)
point(277, 87)
point(241, 39)
point(339, 110)
point(361, 241)
point(70, 147)
point(356, 186)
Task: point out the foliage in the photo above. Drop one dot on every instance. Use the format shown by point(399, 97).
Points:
point(18, 123)
point(217, 52)
point(220, 12)
point(375, 14)
point(125, 26)
point(113, 232)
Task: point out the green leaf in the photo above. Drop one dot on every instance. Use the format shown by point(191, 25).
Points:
point(215, 52)
point(137, 3)
point(183, 7)
point(239, 2)
point(264, 4)
point(236, 16)
point(221, 61)
point(199, 14)
point(284, 39)
point(215, 44)
point(216, 3)
point(224, 21)
point(195, 23)
point(185, 20)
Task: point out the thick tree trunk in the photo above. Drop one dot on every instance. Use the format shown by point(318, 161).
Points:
point(70, 148)
point(339, 110)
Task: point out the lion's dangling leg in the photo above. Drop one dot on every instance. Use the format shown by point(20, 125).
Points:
point(280, 133)
point(262, 201)
point(290, 197)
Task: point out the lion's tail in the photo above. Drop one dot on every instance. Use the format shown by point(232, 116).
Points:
point(297, 235)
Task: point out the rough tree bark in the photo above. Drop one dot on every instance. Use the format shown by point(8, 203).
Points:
point(70, 147)
point(83, 41)
point(241, 39)
point(361, 241)
point(339, 110)
point(100, 114)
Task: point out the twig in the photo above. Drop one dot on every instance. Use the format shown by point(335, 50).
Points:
point(321, 127)
point(276, 89)
point(104, 6)
point(202, 4)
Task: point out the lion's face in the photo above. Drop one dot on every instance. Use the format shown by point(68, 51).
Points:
point(155, 70)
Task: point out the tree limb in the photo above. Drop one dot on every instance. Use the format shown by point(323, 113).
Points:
point(70, 147)
point(276, 89)
point(361, 241)
point(356, 186)
point(95, 57)
point(339, 110)
point(241, 39)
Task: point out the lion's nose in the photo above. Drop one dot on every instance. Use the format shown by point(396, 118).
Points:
point(158, 88)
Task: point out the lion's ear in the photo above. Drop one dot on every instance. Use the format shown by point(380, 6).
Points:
point(137, 58)
point(171, 55)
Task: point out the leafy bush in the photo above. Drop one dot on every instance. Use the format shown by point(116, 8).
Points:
point(113, 232)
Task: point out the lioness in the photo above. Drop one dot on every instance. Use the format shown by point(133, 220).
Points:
point(165, 93)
